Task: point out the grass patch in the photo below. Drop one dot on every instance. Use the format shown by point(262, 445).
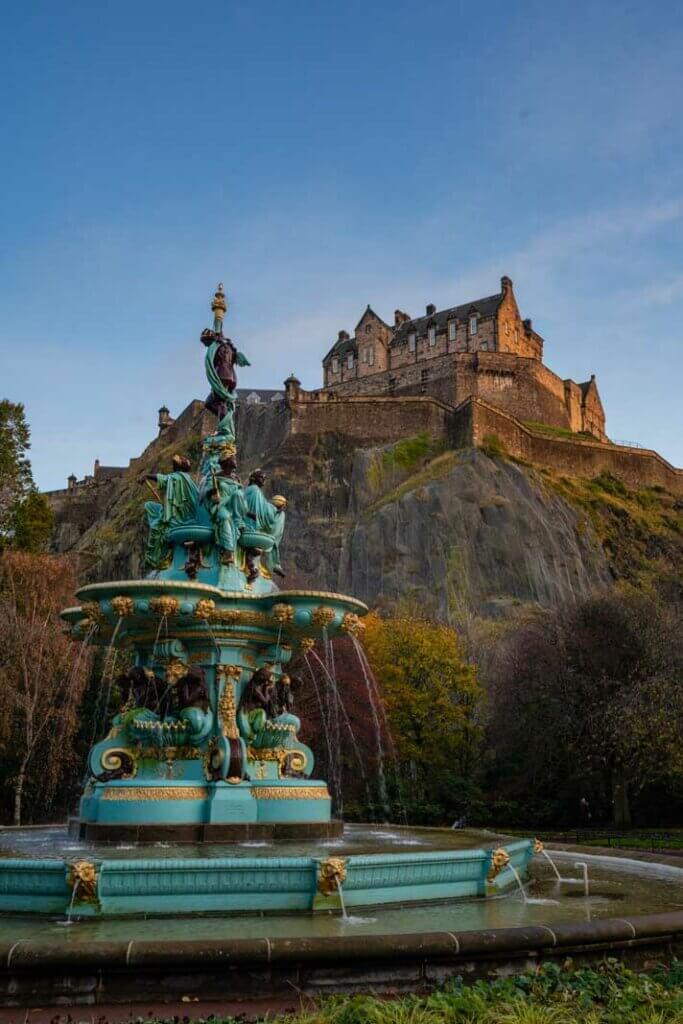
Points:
point(402, 458)
point(553, 994)
point(493, 446)
point(545, 428)
point(435, 469)
point(641, 531)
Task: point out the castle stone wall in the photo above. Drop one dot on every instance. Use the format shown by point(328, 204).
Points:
point(635, 467)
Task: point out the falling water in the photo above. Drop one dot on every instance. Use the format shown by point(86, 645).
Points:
point(341, 899)
point(381, 776)
point(515, 872)
point(70, 908)
point(336, 695)
point(326, 729)
point(552, 863)
point(584, 867)
point(103, 697)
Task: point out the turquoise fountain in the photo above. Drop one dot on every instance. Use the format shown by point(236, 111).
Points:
point(205, 745)
point(203, 757)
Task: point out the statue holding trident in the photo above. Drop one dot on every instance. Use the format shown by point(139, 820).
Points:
point(220, 362)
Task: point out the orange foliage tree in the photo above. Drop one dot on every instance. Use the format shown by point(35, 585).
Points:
point(434, 704)
point(42, 679)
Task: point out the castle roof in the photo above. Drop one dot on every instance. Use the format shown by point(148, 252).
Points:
point(482, 307)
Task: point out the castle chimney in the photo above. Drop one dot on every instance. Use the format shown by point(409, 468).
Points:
point(505, 285)
point(527, 324)
point(343, 336)
point(71, 481)
point(96, 468)
point(430, 309)
point(400, 317)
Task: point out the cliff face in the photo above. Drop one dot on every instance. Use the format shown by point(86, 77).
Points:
point(451, 532)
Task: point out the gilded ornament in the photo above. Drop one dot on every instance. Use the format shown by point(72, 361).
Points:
point(204, 608)
point(331, 875)
point(123, 605)
point(323, 616)
point(227, 706)
point(82, 880)
point(290, 793)
point(164, 605)
point(351, 624)
point(261, 770)
point(155, 793)
point(234, 617)
point(283, 613)
point(92, 612)
point(499, 860)
point(306, 644)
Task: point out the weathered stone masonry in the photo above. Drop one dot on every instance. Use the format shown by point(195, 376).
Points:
point(482, 349)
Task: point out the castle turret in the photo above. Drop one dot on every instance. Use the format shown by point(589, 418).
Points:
point(165, 419)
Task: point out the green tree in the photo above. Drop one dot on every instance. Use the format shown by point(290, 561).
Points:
point(434, 702)
point(15, 468)
point(33, 522)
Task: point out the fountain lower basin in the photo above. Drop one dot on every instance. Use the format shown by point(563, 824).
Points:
point(372, 867)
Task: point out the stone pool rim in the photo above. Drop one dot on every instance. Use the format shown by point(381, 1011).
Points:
point(35, 973)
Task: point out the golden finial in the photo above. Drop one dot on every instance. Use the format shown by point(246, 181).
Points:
point(219, 307)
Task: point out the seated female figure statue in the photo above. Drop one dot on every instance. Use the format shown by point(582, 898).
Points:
point(179, 507)
point(267, 517)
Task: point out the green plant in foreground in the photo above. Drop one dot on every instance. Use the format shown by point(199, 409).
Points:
point(553, 994)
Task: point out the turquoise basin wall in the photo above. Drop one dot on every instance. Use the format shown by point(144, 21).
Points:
point(244, 884)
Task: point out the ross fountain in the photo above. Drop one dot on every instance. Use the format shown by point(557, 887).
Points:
point(205, 746)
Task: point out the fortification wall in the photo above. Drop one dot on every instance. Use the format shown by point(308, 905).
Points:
point(372, 419)
point(636, 467)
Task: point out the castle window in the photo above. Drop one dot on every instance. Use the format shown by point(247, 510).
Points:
point(368, 328)
point(452, 327)
point(424, 377)
point(412, 340)
point(484, 347)
point(473, 326)
point(335, 365)
point(349, 361)
point(392, 385)
point(364, 355)
point(431, 334)
point(371, 356)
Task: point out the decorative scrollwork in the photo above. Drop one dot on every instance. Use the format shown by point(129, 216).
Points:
point(117, 763)
point(123, 605)
point(500, 859)
point(331, 875)
point(290, 793)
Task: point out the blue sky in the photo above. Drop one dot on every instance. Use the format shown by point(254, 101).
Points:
point(317, 157)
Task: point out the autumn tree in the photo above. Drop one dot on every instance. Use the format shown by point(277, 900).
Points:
point(434, 703)
point(42, 676)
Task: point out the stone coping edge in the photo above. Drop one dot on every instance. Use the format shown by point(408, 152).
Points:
point(34, 954)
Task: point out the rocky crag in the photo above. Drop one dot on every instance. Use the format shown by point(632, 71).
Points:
point(453, 532)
